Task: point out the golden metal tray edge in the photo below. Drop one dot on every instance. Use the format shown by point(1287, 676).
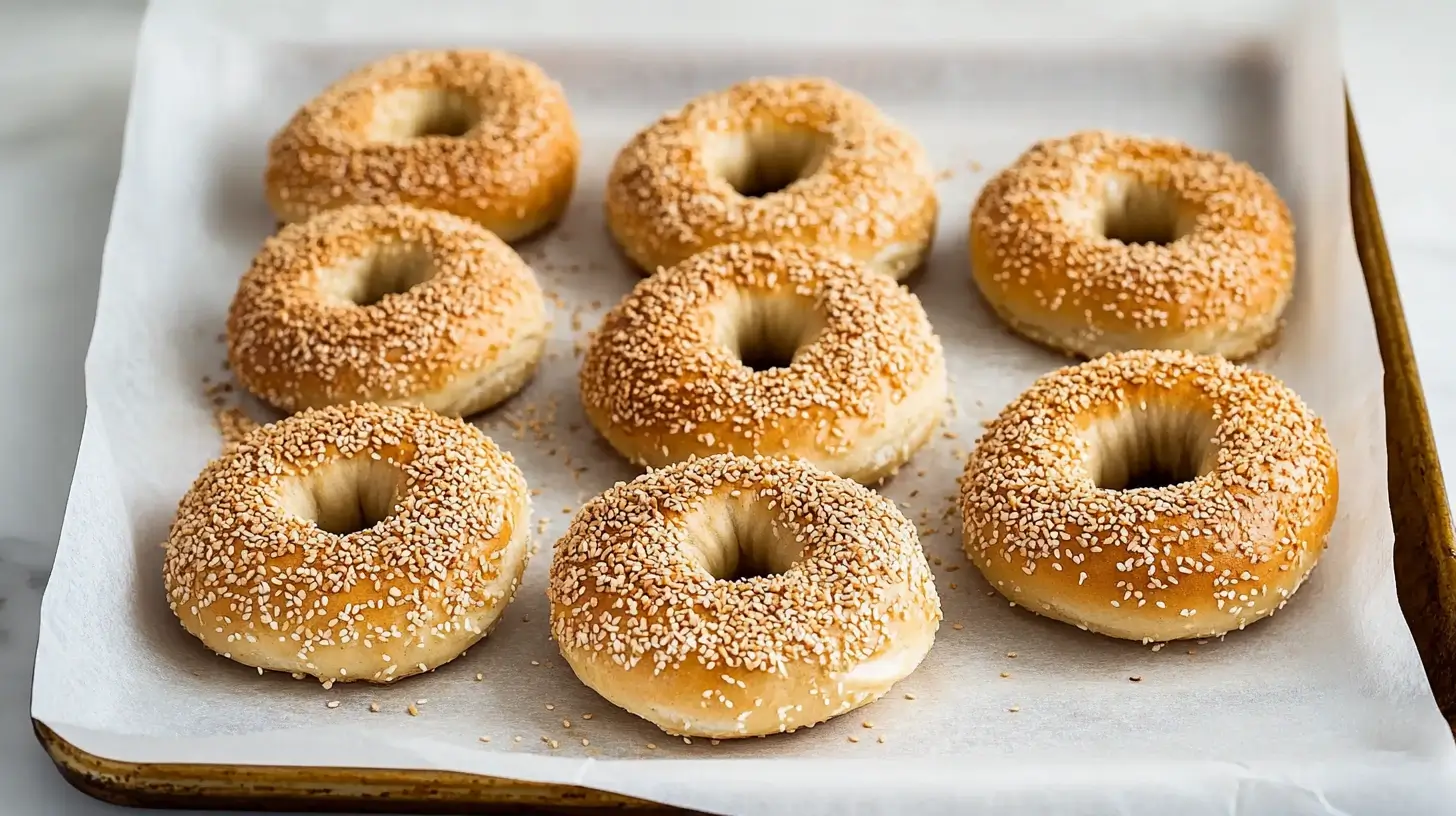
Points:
point(1425, 571)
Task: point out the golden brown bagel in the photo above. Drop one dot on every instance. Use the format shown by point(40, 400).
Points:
point(386, 304)
point(735, 597)
point(1100, 242)
point(482, 134)
point(857, 381)
point(776, 160)
point(355, 542)
point(1056, 522)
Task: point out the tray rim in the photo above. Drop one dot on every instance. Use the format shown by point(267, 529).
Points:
point(1425, 566)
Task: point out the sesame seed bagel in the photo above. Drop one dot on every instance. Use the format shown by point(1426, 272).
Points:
point(355, 542)
point(392, 305)
point(852, 378)
point(1100, 242)
point(481, 134)
point(800, 160)
point(1057, 521)
point(736, 597)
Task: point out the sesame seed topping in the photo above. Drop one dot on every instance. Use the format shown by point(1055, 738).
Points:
point(662, 384)
point(299, 337)
point(1189, 559)
point(507, 157)
point(1037, 234)
point(238, 557)
point(627, 585)
point(871, 187)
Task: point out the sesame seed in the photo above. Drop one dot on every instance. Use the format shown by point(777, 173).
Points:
point(412, 710)
point(332, 704)
point(1136, 678)
point(374, 708)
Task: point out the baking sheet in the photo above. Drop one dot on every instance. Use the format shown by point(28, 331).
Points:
point(1323, 708)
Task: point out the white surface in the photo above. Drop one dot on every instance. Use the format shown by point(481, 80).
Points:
point(55, 172)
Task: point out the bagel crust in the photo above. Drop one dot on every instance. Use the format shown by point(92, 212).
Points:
point(250, 569)
point(1213, 275)
point(664, 378)
point(481, 134)
point(856, 182)
point(1052, 523)
point(466, 336)
point(646, 608)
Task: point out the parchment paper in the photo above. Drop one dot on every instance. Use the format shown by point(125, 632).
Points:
point(1321, 709)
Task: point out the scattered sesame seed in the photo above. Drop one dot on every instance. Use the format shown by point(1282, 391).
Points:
point(412, 710)
point(332, 704)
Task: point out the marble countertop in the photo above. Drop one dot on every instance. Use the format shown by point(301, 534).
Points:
point(65, 69)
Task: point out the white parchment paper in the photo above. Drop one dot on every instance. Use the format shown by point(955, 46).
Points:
point(1322, 709)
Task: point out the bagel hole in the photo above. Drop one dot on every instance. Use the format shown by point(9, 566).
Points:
point(390, 269)
point(766, 160)
point(1150, 447)
point(415, 113)
point(344, 496)
point(768, 330)
point(1138, 213)
point(740, 541)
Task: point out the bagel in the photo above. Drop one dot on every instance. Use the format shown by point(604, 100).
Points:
point(386, 304)
point(849, 374)
point(801, 160)
point(1060, 518)
point(481, 134)
point(735, 597)
point(356, 542)
point(1102, 242)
